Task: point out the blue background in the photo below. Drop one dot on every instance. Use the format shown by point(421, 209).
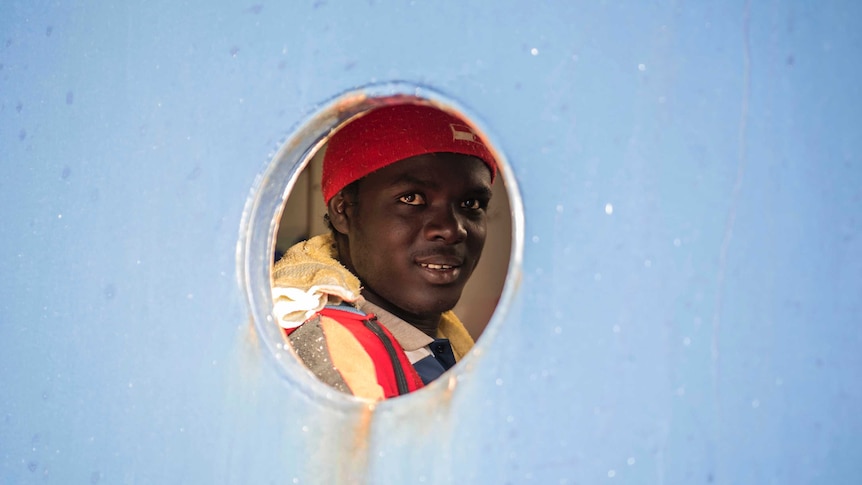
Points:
point(704, 330)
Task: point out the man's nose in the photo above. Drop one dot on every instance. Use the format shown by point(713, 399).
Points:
point(446, 223)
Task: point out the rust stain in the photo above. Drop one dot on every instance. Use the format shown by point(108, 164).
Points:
point(363, 429)
point(252, 334)
point(356, 452)
point(347, 102)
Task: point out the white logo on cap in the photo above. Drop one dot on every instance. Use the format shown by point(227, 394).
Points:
point(464, 133)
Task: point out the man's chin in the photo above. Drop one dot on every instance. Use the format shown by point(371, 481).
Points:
point(436, 307)
point(432, 303)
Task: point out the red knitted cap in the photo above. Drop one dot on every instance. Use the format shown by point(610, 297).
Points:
point(390, 134)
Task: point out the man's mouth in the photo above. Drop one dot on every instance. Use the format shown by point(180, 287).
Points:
point(438, 267)
point(441, 269)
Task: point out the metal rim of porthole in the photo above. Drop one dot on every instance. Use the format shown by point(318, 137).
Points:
point(271, 190)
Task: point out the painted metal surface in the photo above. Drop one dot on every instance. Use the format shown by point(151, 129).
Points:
point(688, 310)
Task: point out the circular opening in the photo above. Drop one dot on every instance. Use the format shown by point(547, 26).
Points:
point(287, 207)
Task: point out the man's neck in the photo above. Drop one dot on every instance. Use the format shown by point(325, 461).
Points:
point(426, 323)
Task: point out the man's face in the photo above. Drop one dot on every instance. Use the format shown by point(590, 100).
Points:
point(417, 229)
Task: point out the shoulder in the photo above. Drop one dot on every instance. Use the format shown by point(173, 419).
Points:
point(346, 349)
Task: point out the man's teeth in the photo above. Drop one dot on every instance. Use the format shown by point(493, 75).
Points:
point(436, 266)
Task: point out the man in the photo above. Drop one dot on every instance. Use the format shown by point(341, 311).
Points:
point(368, 307)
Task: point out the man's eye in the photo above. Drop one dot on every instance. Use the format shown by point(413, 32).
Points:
point(473, 204)
point(412, 199)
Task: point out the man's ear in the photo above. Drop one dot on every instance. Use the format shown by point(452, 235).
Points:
point(337, 211)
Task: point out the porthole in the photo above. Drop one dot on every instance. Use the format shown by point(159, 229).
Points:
point(287, 206)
